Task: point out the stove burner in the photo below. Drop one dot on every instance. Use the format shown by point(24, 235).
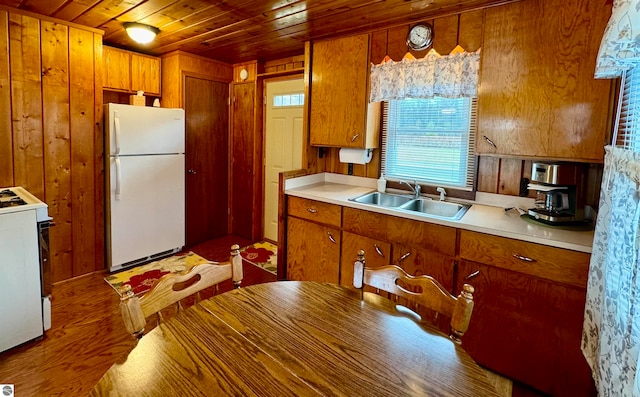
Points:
point(7, 193)
point(12, 202)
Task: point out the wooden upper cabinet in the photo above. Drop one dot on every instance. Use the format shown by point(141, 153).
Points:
point(340, 114)
point(117, 70)
point(130, 71)
point(145, 74)
point(537, 95)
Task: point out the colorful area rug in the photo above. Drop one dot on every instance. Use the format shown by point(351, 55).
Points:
point(142, 278)
point(262, 254)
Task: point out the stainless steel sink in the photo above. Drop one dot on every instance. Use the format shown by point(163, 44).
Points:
point(382, 199)
point(423, 206)
point(442, 209)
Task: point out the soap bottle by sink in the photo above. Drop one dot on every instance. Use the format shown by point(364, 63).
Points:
point(382, 184)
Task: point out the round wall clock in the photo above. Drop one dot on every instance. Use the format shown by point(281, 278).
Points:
point(420, 37)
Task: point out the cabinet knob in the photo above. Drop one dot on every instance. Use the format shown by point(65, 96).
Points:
point(191, 171)
point(523, 258)
point(353, 139)
point(378, 250)
point(312, 210)
point(331, 238)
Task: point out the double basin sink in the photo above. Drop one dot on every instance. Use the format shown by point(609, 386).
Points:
point(424, 206)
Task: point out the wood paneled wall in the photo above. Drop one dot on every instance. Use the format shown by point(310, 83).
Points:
point(177, 64)
point(284, 64)
point(51, 132)
point(495, 174)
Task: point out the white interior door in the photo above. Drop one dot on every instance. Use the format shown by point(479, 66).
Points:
point(283, 143)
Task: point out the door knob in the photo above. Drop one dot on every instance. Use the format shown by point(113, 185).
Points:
point(191, 171)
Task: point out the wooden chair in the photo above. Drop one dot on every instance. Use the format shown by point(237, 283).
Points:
point(432, 294)
point(173, 287)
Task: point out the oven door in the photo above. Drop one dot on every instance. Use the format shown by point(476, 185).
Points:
point(45, 271)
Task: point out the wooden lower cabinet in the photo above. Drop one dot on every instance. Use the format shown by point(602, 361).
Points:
point(529, 298)
point(417, 247)
point(528, 329)
point(313, 251)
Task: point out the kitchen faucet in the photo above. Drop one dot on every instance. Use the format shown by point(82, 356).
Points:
point(415, 191)
point(442, 193)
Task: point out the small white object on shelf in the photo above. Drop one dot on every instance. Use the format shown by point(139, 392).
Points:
point(382, 184)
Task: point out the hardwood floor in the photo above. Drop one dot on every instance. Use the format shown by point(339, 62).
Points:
point(87, 335)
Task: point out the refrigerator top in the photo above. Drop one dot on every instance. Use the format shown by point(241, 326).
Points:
point(144, 130)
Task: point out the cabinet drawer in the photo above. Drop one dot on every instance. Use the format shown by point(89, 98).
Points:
point(555, 264)
point(329, 214)
point(423, 235)
point(413, 233)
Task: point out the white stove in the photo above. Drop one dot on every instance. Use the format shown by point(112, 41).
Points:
point(14, 199)
point(25, 284)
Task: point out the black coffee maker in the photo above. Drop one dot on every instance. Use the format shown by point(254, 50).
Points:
point(559, 188)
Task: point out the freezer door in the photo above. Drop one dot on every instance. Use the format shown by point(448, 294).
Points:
point(133, 130)
point(148, 216)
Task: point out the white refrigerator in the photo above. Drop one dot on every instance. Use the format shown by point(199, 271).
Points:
point(145, 178)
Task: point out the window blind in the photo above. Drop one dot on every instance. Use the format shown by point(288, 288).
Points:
point(430, 141)
point(628, 131)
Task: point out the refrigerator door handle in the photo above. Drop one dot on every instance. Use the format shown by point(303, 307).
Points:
point(116, 135)
point(118, 178)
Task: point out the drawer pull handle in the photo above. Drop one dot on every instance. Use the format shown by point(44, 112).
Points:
point(353, 139)
point(472, 275)
point(489, 141)
point(403, 257)
point(523, 258)
point(333, 240)
point(378, 250)
point(312, 210)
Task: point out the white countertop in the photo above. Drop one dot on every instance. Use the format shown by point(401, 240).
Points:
point(490, 219)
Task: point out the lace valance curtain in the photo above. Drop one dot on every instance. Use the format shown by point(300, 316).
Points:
point(450, 76)
point(611, 329)
point(620, 45)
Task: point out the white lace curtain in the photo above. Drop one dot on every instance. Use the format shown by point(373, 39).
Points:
point(620, 45)
point(611, 332)
point(611, 329)
point(450, 76)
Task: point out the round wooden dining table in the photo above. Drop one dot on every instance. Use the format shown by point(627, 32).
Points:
point(295, 338)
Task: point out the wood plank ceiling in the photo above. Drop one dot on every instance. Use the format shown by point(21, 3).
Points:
point(241, 30)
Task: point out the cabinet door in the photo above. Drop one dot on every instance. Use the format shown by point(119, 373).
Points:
point(117, 72)
point(528, 329)
point(377, 253)
point(242, 152)
point(417, 262)
point(547, 103)
point(313, 252)
point(145, 74)
point(339, 74)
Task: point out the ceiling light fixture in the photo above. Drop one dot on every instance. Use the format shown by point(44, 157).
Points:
point(141, 33)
